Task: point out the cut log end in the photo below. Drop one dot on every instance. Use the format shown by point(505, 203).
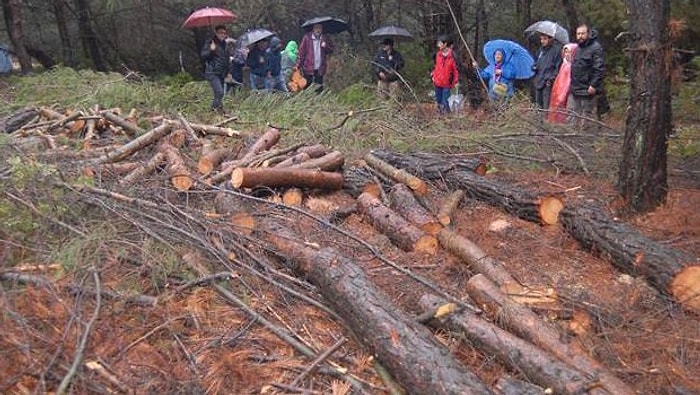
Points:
point(431, 228)
point(426, 244)
point(550, 207)
point(182, 182)
point(685, 287)
point(293, 197)
point(243, 222)
point(237, 177)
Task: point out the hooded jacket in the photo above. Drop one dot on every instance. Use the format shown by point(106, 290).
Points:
point(445, 73)
point(547, 64)
point(273, 57)
point(507, 76)
point(588, 66)
point(389, 63)
point(289, 58)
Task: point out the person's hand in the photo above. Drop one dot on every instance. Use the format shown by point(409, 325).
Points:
point(323, 44)
point(382, 76)
point(475, 65)
point(497, 72)
point(591, 90)
point(212, 46)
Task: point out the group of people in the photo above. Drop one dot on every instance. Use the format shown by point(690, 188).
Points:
point(568, 77)
point(271, 66)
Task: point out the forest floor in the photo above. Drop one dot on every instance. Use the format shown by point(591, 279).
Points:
point(193, 340)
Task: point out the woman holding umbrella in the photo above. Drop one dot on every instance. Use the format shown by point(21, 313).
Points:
point(508, 61)
point(312, 58)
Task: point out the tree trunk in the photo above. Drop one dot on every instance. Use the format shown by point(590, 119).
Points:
point(571, 15)
point(671, 271)
point(244, 177)
point(519, 202)
point(12, 10)
point(539, 366)
point(529, 326)
point(399, 175)
point(402, 233)
point(643, 175)
point(404, 203)
point(407, 349)
point(88, 36)
point(59, 11)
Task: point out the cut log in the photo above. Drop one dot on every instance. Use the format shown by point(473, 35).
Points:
point(179, 173)
point(314, 151)
point(521, 356)
point(449, 205)
point(293, 160)
point(177, 138)
point(431, 166)
point(672, 272)
point(404, 203)
point(514, 200)
point(18, 120)
point(138, 143)
point(210, 160)
point(142, 171)
point(293, 197)
point(406, 349)
point(243, 177)
point(402, 233)
point(264, 142)
point(399, 175)
point(214, 130)
point(114, 169)
point(331, 161)
point(526, 324)
point(513, 386)
point(128, 127)
point(362, 179)
point(188, 128)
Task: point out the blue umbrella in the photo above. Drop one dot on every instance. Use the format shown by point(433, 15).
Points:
point(515, 54)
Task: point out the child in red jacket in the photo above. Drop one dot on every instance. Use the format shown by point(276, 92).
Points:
point(445, 74)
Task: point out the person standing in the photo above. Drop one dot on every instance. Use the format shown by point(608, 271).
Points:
point(275, 80)
point(216, 65)
point(312, 58)
point(560, 103)
point(257, 62)
point(289, 59)
point(587, 71)
point(445, 74)
point(386, 65)
point(500, 75)
point(546, 69)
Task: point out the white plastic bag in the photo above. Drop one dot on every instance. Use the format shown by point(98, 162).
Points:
point(456, 102)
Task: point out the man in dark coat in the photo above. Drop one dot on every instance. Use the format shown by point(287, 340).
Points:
point(546, 69)
point(385, 66)
point(587, 71)
point(216, 65)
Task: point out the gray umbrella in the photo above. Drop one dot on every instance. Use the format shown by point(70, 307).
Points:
point(330, 25)
point(393, 32)
point(549, 28)
point(253, 36)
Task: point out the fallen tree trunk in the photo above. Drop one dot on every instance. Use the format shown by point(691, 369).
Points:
point(539, 366)
point(404, 203)
point(516, 201)
point(244, 177)
point(528, 325)
point(672, 272)
point(18, 120)
point(130, 128)
point(432, 166)
point(358, 180)
point(402, 233)
point(408, 350)
point(179, 173)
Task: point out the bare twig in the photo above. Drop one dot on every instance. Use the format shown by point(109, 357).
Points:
point(318, 361)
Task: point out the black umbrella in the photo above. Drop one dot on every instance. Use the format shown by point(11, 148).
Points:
point(330, 25)
point(253, 36)
point(394, 32)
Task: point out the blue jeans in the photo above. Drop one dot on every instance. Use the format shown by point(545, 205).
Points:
point(217, 86)
point(441, 96)
point(276, 83)
point(257, 82)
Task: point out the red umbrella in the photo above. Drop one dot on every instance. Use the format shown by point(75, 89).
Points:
point(209, 16)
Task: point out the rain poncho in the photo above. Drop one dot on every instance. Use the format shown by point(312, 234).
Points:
point(289, 59)
point(560, 88)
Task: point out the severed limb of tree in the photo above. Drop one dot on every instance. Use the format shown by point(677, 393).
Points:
point(243, 177)
point(211, 159)
point(128, 127)
point(402, 233)
point(408, 350)
point(190, 131)
point(214, 130)
point(539, 366)
point(143, 170)
point(329, 162)
point(404, 202)
point(517, 201)
point(671, 271)
point(177, 170)
point(138, 143)
point(525, 323)
point(322, 357)
point(399, 175)
point(449, 205)
point(358, 180)
point(512, 386)
point(432, 166)
point(290, 160)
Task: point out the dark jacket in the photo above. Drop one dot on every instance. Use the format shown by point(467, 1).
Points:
point(216, 61)
point(588, 66)
point(547, 65)
point(274, 61)
point(257, 61)
point(389, 63)
point(305, 56)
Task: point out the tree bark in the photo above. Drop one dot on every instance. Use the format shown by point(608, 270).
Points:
point(331, 161)
point(571, 14)
point(180, 175)
point(136, 144)
point(448, 206)
point(12, 10)
point(398, 175)
point(643, 178)
point(88, 36)
point(539, 366)
point(210, 160)
point(404, 203)
point(408, 350)
point(402, 233)
point(244, 177)
point(528, 325)
point(670, 271)
point(519, 202)
point(130, 128)
point(140, 172)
